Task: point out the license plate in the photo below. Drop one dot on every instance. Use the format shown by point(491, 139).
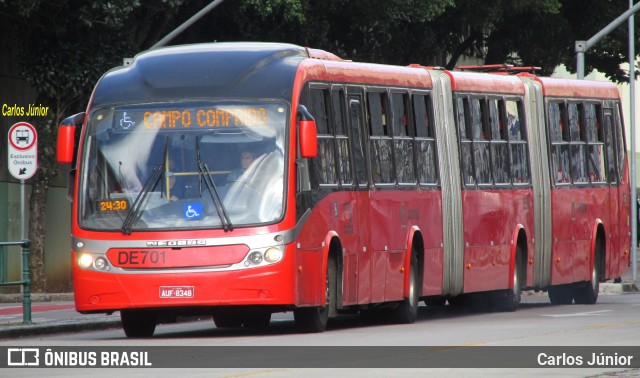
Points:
point(177, 292)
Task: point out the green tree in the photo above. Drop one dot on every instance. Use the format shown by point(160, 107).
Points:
point(64, 48)
point(66, 45)
point(535, 33)
point(381, 31)
point(522, 32)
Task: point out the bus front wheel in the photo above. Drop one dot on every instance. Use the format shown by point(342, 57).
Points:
point(138, 323)
point(314, 319)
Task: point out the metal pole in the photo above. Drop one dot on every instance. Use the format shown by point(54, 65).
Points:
point(26, 278)
point(26, 275)
point(632, 160)
point(612, 25)
point(25, 265)
point(22, 209)
point(580, 48)
point(186, 24)
point(606, 30)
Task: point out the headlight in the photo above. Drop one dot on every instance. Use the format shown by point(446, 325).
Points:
point(101, 264)
point(255, 258)
point(273, 255)
point(85, 261)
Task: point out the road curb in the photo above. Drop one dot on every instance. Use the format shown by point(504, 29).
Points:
point(15, 331)
point(624, 287)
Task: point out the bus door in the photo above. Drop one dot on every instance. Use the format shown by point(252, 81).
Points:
point(361, 205)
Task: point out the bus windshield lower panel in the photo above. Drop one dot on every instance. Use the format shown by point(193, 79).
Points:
point(183, 166)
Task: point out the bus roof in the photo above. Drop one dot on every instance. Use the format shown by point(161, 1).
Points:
point(366, 73)
point(265, 70)
point(556, 87)
point(483, 82)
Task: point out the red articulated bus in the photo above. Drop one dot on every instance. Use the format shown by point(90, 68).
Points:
point(242, 179)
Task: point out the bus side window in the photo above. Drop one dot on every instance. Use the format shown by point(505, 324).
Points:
point(403, 135)
point(480, 131)
point(558, 137)
point(612, 174)
point(380, 142)
point(620, 141)
point(577, 144)
point(425, 140)
point(595, 143)
point(499, 147)
point(520, 173)
point(464, 135)
point(324, 164)
point(342, 140)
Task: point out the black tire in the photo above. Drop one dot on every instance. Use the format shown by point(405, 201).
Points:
point(510, 299)
point(459, 301)
point(407, 310)
point(435, 302)
point(257, 320)
point(314, 319)
point(138, 323)
point(560, 295)
point(227, 320)
point(589, 293)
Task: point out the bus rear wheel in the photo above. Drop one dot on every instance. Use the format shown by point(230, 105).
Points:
point(314, 319)
point(560, 295)
point(138, 323)
point(588, 294)
point(509, 300)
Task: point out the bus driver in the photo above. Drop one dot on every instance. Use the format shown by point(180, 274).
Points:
point(246, 158)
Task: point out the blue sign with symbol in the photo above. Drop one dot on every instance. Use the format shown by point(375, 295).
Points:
point(193, 210)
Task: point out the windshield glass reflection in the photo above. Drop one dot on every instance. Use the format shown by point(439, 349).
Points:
point(148, 167)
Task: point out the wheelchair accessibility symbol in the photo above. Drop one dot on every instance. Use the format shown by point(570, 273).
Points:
point(125, 122)
point(192, 210)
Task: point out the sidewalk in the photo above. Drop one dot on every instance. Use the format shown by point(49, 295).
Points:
point(55, 313)
point(50, 313)
point(627, 284)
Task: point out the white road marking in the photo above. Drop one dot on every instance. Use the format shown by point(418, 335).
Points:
point(590, 313)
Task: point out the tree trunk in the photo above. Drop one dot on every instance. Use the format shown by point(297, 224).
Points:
point(47, 169)
point(37, 222)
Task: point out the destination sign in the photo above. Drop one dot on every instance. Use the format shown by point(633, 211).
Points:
point(205, 117)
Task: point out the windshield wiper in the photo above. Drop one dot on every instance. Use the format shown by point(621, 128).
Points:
point(213, 191)
point(149, 185)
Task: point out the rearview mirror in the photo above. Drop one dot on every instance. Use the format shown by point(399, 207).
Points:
point(308, 135)
point(66, 148)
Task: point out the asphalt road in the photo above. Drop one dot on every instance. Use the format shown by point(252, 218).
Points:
point(611, 323)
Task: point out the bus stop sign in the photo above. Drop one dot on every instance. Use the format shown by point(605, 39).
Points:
point(23, 150)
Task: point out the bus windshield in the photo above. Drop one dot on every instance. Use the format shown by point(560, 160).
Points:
point(183, 166)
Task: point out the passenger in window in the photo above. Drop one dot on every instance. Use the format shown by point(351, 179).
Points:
point(514, 127)
point(383, 113)
point(246, 159)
